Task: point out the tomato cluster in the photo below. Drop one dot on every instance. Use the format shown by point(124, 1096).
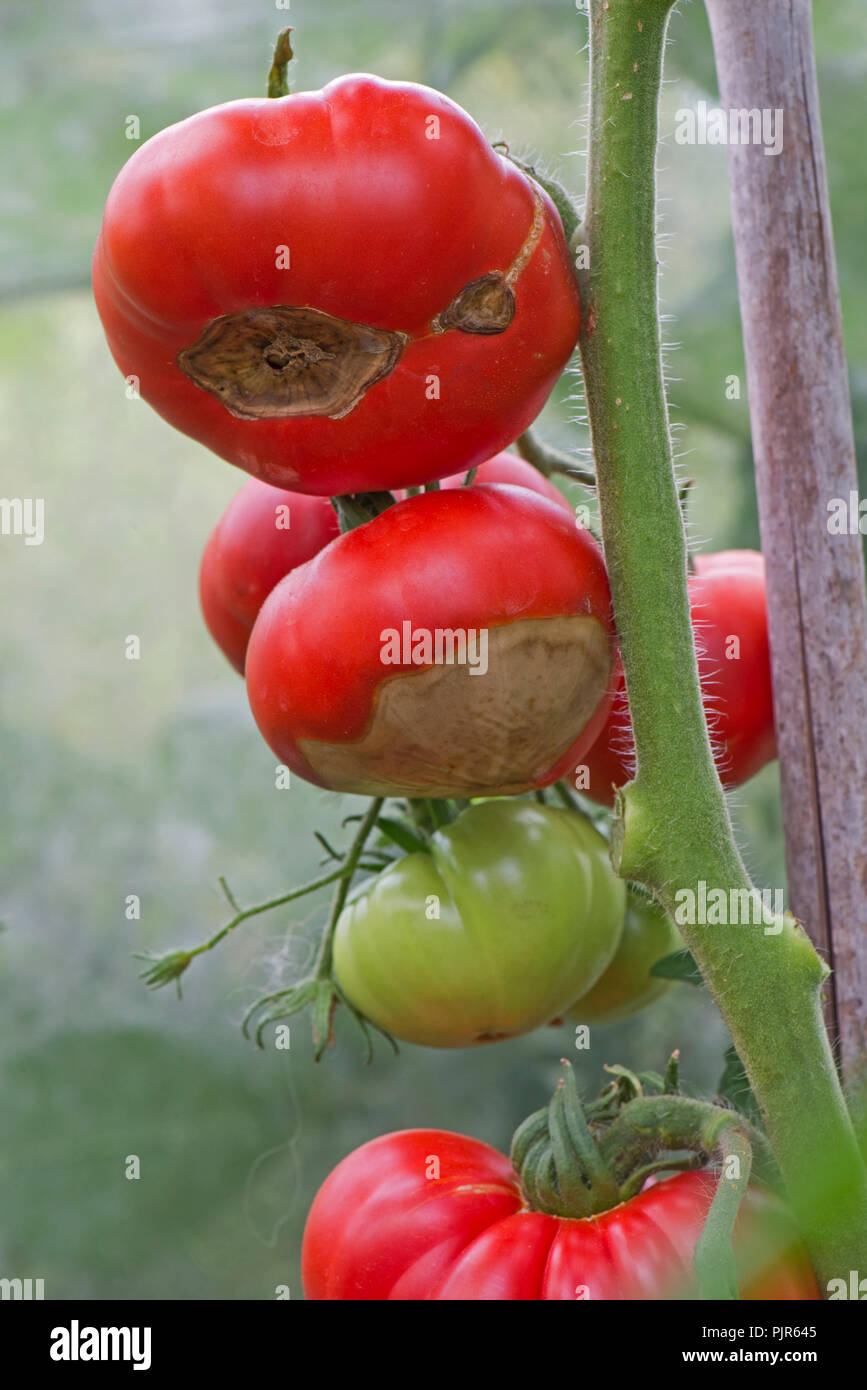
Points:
point(461, 643)
point(351, 295)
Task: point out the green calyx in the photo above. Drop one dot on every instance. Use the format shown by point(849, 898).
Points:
point(359, 508)
point(557, 1158)
point(577, 1161)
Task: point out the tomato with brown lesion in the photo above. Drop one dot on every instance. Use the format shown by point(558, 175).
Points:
point(339, 291)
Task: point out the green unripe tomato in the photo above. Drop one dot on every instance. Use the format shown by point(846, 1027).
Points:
point(513, 914)
point(627, 985)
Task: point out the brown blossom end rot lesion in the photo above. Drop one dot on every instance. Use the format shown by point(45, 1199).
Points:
point(487, 305)
point(282, 361)
point(545, 678)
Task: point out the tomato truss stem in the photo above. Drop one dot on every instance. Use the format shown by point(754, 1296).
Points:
point(318, 988)
point(322, 964)
point(161, 970)
point(714, 1257)
point(549, 460)
point(355, 509)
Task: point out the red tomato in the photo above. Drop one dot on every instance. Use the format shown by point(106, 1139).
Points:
point(358, 682)
point(509, 468)
point(338, 291)
point(730, 559)
point(729, 615)
point(424, 1214)
point(266, 532)
point(263, 535)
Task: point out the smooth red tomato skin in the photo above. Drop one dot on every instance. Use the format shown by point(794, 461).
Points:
point(387, 1225)
point(384, 227)
point(506, 467)
point(248, 553)
point(475, 558)
point(727, 598)
point(728, 560)
point(378, 1204)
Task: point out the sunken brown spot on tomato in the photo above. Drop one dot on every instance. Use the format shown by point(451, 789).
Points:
point(441, 731)
point(486, 305)
point(282, 361)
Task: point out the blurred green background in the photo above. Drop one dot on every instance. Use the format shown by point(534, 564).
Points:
point(147, 777)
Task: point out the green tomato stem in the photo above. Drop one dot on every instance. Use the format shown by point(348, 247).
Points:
point(440, 812)
point(243, 914)
point(671, 829)
point(160, 970)
point(322, 966)
point(357, 509)
point(278, 85)
point(714, 1256)
point(548, 459)
point(565, 795)
point(651, 1126)
point(686, 1163)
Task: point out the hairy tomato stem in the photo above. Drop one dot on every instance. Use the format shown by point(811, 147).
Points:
point(714, 1258)
point(672, 830)
point(550, 460)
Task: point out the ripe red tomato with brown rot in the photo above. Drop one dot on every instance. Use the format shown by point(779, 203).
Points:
point(459, 644)
point(339, 291)
point(428, 1215)
point(729, 613)
point(266, 532)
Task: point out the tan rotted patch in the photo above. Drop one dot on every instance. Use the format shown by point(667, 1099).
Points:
point(283, 361)
point(442, 731)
